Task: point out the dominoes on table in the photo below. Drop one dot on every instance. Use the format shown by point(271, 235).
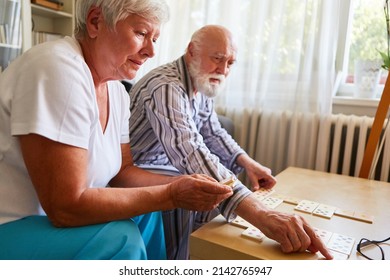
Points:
point(338, 256)
point(240, 222)
point(262, 193)
point(324, 210)
point(272, 202)
point(290, 200)
point(341, 243)
point(354, 215)
point(253, 233)
point(363, 217)
point(323, 234)
point(306, 206)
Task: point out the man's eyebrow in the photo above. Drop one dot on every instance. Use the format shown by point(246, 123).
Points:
point(218, 54)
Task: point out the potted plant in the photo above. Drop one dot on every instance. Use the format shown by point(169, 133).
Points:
point(369, 62)
point(386, 55)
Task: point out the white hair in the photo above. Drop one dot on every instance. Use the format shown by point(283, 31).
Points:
point(114, 11)
point(200, 36)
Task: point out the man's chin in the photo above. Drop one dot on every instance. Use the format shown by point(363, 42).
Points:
point(211, 89)
point(211, 92)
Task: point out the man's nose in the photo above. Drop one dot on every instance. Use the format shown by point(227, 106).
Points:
point(223, 68)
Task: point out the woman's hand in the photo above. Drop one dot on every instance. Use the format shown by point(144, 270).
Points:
point(198, 192)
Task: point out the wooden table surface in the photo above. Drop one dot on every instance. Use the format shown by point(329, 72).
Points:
point(220, 240)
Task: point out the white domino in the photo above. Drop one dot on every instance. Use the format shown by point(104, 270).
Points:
point(363, 217)
point(324, 210)
point(341, 243)
point(262, 193)
point(323, 234)
point(344, 213)
point(291, 200)
point(229, 181)
point(240, 222)
point(253, 233)
point(338, 256)
point(354, 215)
point(306, 206)
point(272, 202)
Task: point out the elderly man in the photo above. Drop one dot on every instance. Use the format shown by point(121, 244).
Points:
point(175, 130)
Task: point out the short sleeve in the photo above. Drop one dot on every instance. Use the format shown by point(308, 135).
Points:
point(57, 99)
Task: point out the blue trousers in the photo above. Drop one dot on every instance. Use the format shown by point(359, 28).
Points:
point(179, 223)
point(35, 238)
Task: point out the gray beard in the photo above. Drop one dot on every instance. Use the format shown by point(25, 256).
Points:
point(202, 82)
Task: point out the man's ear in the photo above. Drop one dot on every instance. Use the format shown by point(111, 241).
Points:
point(93, 18)
point(190, 49)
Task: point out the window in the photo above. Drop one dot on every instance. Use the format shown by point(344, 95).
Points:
point(365, 37)
point(287, 49)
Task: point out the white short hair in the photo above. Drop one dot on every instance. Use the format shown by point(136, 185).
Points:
point(114, 11)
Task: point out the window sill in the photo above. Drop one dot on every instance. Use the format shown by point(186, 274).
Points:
point(344, 101)
point(354, 106)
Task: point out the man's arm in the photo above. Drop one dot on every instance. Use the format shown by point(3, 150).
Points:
point(220, 142)
point(259, 175)
point(292, 231)
point(232, 155)
point(170, 114)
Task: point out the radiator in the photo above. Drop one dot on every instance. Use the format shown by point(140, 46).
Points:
point(334, 143)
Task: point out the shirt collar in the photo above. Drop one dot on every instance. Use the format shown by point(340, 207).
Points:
point(185, 75)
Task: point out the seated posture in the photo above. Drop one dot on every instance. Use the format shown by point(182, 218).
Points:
point(174, 129)
point(68, 186)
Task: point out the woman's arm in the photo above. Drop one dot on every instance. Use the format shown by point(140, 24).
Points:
point(131, 176)
point(59, 175)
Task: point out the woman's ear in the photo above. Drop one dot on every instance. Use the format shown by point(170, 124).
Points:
point(93, 18)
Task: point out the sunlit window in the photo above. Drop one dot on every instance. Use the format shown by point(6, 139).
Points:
point(367, 35)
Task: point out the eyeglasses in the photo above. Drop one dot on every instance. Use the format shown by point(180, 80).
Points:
point(364, 243)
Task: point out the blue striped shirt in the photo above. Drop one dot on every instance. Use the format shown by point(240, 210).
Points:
point(170, 124)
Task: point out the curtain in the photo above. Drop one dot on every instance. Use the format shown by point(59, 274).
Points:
point(286, 50)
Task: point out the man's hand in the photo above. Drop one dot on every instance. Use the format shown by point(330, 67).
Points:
point(198, 192)
point(258, 175)
point(293, 233)
point(290, 230)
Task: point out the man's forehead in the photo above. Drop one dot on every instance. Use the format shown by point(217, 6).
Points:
point(220, 46)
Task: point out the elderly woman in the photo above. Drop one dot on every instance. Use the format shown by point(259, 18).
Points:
point(64, 139)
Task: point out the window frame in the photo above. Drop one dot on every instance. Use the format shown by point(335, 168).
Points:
point(343, 100)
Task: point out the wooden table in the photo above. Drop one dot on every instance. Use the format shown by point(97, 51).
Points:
point(220, 240)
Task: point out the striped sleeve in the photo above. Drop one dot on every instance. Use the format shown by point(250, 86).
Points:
point(219, 141)
point(169, 112)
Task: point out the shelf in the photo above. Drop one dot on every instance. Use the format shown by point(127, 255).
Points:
point(46, 12)
point(35, 17)
point(47, 20)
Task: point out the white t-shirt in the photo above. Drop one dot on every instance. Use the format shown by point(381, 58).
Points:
point(49, 91)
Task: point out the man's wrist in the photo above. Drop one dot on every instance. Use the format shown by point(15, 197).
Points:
point(244, 160)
